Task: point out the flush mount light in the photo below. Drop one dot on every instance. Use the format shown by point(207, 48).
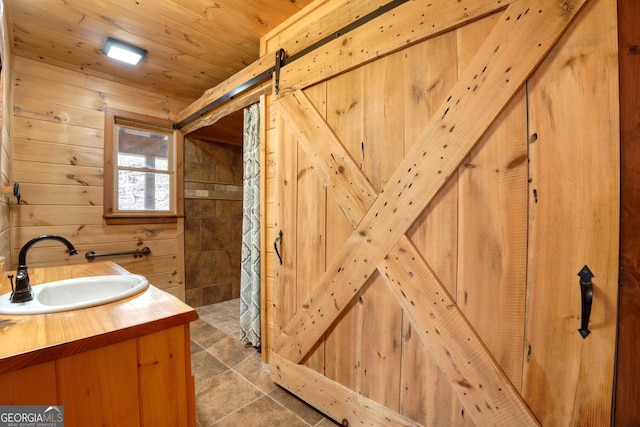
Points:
point(122, 51)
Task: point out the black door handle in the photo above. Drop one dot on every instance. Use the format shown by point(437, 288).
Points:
point(275, 246)
point(586, 290)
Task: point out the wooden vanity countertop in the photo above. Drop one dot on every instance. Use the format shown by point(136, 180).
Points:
point(27, 340)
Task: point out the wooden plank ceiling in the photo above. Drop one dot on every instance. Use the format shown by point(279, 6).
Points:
point(193, 44)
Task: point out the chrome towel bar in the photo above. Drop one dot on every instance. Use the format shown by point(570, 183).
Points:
point(138, 253)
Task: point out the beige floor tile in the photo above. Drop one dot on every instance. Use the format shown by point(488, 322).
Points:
point(231, 351)
point(222, 395)
point(264, 412)
point(297, 406)
point(233, 386)
point(256, 372)
point(204, 366)
point(195, 347)
point(206, 335)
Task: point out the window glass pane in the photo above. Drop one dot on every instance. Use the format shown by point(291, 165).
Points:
point(143, 148)
point(132, 161)
point(161, 163)
point(139, 191)
point(144, 169)
point(162, 183)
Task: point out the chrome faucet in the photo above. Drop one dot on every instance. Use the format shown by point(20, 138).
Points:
point(22, 291)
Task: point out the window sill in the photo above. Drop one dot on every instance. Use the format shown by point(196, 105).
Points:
point(141, 219)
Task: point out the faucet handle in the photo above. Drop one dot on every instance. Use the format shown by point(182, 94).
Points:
point(10, 276)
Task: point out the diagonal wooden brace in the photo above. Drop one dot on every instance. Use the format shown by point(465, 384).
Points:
point(453, 343)
point(510, 54)
point(518, 43)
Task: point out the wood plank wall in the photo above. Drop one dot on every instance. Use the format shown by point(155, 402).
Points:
point(57, 157)
point(627, 410)
point(5, 60)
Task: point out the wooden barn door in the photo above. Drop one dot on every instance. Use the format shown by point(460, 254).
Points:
point(437, 202)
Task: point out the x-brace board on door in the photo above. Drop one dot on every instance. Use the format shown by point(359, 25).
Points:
point(525, 33)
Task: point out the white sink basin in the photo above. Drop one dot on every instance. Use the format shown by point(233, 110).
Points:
point(71, 294)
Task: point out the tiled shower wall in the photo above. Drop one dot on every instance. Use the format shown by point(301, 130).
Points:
point(213, 221)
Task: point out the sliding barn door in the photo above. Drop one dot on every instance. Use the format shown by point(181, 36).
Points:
point(445, 172)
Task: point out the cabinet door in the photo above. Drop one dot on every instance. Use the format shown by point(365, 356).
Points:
point(437, 203)
point(166, 383)
point(35, 385)
point(100, 387)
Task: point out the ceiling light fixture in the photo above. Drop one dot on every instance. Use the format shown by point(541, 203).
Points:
point(122, 51)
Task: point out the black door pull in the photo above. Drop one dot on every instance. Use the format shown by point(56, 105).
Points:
point(275, 246)
point(586, 290)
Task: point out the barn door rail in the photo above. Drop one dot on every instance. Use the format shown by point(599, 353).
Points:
point(138, 253)
point(224, 98)
point(281, 60)
point(347, 28)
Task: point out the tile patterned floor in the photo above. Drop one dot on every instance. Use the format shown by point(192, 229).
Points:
point(233, 387)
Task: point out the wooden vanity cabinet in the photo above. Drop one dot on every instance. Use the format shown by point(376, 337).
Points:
point(146, 382)
point(125, 363)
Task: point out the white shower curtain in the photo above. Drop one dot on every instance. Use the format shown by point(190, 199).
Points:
point(250, 274)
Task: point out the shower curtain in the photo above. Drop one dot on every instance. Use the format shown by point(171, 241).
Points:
point(250, 262)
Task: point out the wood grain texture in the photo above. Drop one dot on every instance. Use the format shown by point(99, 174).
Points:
point(48, 152)
point(225, 124)
point(58, 158)
point(627, 411)
point(163, 378)
point(431, 69)
point(63, 87)
point(100, 234)
point(319, 19)
point(35, 384)
point(384, 35)
point(221, 90)
point(381, 151)
point(193, 45)
point(413, 284)
point(574, 211)
point(92, 389)
point(344, 363)
point(449, 137)
point(57, 174)
point(5, 141)
point(35, 339)
point(337, 401)
point(492, 224)
point(378, 240)
point(311, 228)
point(285, 195)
